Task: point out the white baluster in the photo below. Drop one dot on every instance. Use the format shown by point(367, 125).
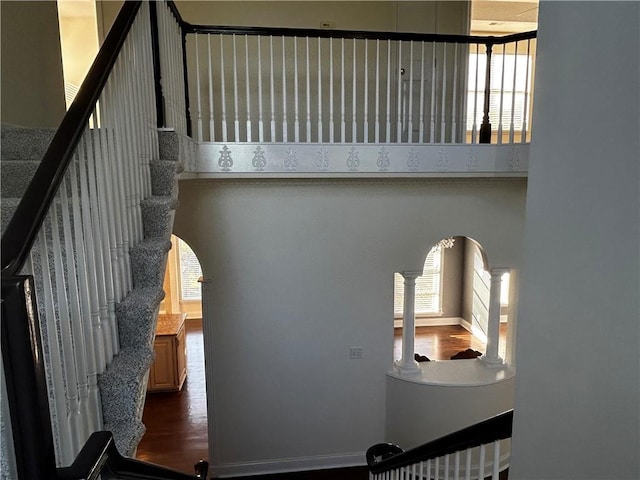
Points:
point(80, 351)
point(501, 111)
point(512, 127)
point(271, 85)
point(523, 137)
point(319, 90)
point(342, 94)
point(409, 101)
point(436, 469)
point(456, 474)
point(236, 120)
point(495, 474)
point(260, 112)
point(454, 114)
point(399, 96)
point(308, 126)
point(432, 137)
point(443, 120)
point(64, 324)
point(475, 97)
point(211, 118)
point(198, 93)
point(81, 205)
point(354, 127)
point(55, 379)
point(377, 129)
point(224, 92)
point(248, 85)
point(296, 120)
point(467, 465)
point(366, 92)
point(284, 92)
point(446, 467)
point(481, 462)
point(421, 120)
point(85, 283)
point(388, 130)
point(331, 125)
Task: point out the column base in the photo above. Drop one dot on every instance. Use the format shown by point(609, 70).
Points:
point(412, 369)
point(492, 362)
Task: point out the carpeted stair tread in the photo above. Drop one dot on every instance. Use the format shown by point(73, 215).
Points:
point(157, 216)
point(127, 435)
point(25, 143)
point(7, 208)
point(148, 262)
point(137, 316)
point(164, 177)
point(122, 385)
point(16, 176)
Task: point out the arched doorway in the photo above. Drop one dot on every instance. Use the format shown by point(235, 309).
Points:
point(176, 418)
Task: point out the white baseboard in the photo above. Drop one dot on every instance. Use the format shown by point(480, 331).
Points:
point(432, 321)
point(285, 465)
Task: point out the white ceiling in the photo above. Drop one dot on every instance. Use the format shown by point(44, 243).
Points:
point(503, 16)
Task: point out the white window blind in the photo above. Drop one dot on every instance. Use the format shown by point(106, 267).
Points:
point(517, 65)
point(428, 287)
point(190, 272)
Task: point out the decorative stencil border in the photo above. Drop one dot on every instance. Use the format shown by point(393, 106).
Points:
point(353, 160)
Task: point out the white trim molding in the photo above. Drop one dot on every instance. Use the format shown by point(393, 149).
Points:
point(286, 465)
point(310, 160)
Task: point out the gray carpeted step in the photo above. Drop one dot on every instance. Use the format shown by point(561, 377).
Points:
point(137, 316)
point(7, 207)
point(20, 144)
point(122, 385)
point(164, 177)
point(127, 435)
point(157, 217)
point(16, 176)
point(148, 262)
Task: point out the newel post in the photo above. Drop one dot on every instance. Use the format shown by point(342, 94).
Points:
point(407, 364)
point(485, 128)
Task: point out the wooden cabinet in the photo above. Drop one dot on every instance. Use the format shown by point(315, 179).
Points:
point(169, 369)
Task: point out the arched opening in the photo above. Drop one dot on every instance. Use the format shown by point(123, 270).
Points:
point(177, 410)
point(451, 309)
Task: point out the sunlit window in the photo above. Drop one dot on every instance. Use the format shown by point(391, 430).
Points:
point(190, 272)
point(428, 287)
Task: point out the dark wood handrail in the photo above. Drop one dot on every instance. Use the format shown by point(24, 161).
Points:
point(21, 231)
point(100, 454)
point(358, 34)
point(487, 431)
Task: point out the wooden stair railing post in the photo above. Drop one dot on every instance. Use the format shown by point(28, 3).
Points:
point(485, 128)
point(25, 378)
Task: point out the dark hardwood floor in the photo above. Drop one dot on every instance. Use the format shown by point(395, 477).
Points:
point(176, 423)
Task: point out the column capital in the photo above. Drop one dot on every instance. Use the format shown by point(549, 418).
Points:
point(411, 274)
point(499, 271)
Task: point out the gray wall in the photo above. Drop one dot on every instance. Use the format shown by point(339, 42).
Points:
point(31, 75)
point(301, 271)
point(578, 380)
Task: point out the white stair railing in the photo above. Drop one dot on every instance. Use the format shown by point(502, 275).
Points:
point(357, 87)
point(477, 452)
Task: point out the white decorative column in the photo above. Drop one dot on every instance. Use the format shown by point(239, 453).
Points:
point(493, 328)
point(407, 364)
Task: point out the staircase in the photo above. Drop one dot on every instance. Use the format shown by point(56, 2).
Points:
point(121, 386)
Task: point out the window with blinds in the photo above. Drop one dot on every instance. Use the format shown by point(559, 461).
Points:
point(510, 87)
point(190, 272)
point(428, 287)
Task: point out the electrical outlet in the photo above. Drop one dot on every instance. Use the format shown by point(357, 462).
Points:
point(355, 353)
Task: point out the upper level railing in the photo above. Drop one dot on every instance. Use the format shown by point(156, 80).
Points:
point(473, 452)
point(256, 84)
